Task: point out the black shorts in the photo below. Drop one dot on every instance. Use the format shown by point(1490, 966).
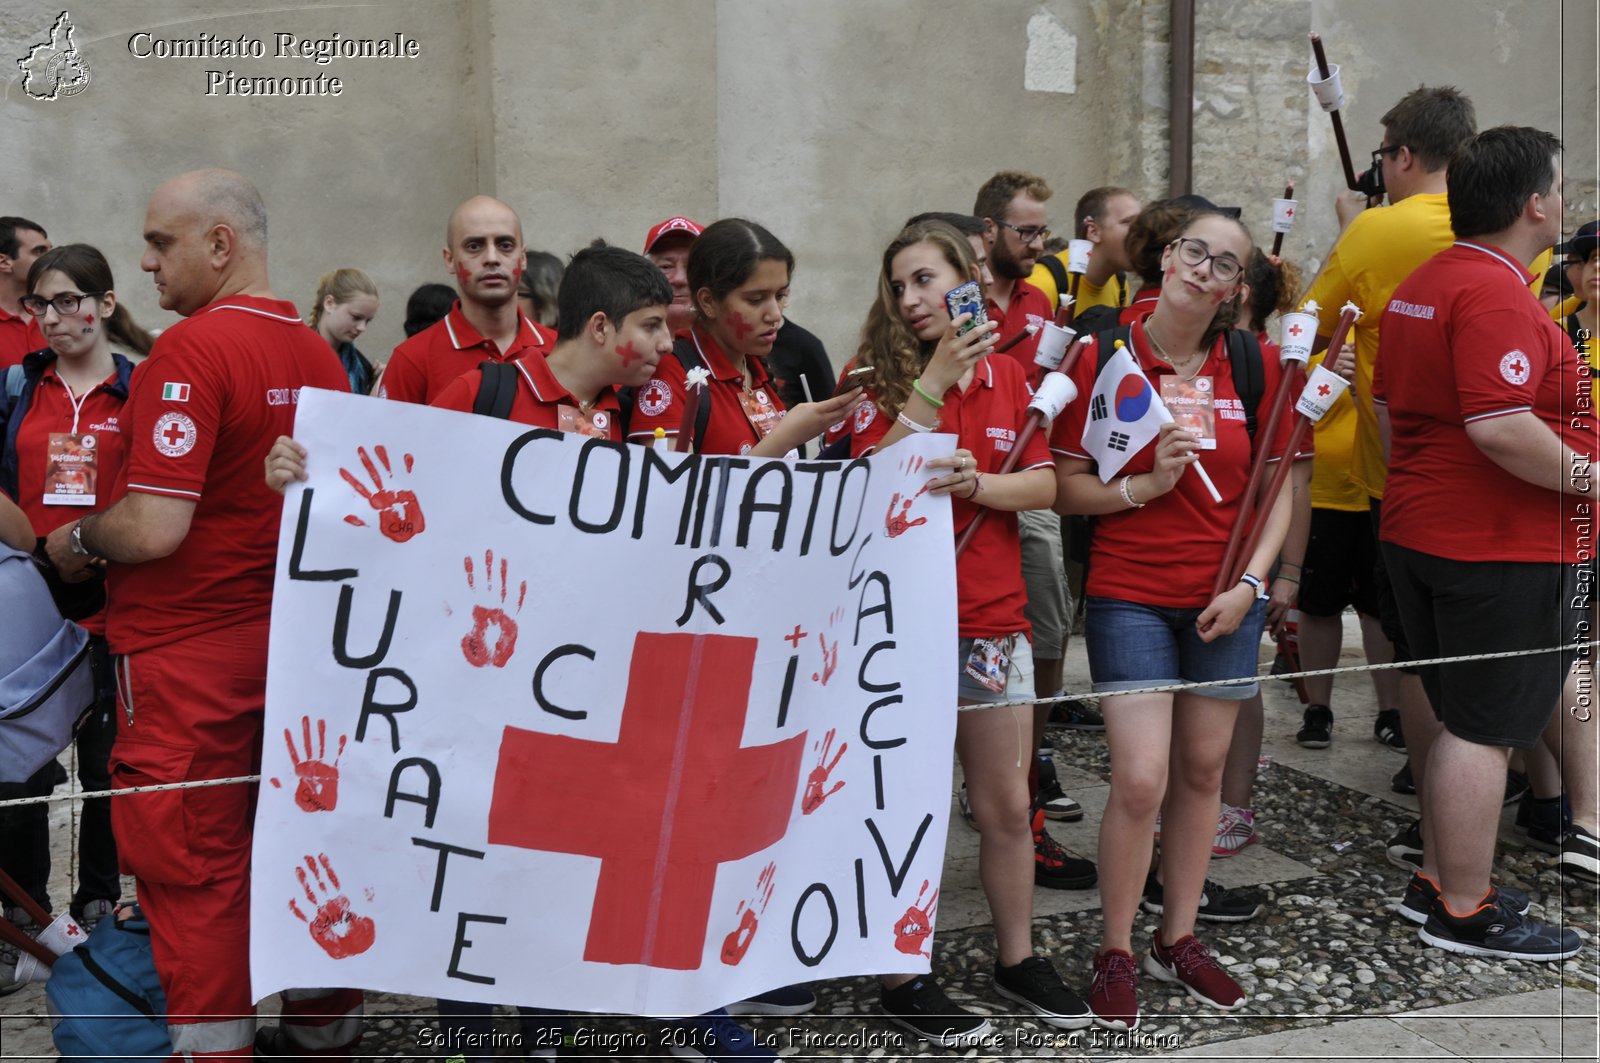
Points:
point(1341, 555)
point(1388, 613)
point(1454, 608)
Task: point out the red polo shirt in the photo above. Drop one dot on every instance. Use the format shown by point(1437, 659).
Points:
point(539, 398)
point(51, 411)
point(424, 365)
point(1463, 340)
point(19, 335)
point(202, 412)
point(660, 402)
point(1029, 306)
point(985, 419)
point(1168, 552)
point(1144, 301)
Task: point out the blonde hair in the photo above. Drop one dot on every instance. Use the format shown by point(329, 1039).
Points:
point(344, 285)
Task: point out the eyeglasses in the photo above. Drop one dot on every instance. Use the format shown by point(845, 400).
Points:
point(1029, 233)
point(1192, 252)
point(65, 303)
point(1379, 153)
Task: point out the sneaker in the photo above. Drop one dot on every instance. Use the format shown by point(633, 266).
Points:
point(1189, 963)
point(1114, 991)
point(1053, 868)
point(92, 912)
point(966, 807)
point(1236, 828)
point(1217, 903)
point(1580, 853)
point(1405, 848)
point(785, 1000)
point(1421, 892)
point(1076, 715)
point(1386, 729)
point(713, 1036)
point(1516, 785)
point(1035, 985)
point(922, 1007)
point(1402, 782)
point(1495, 928)
point(11, 955)
point(1543, 821)
point(1055, 801)
point(1316, 728)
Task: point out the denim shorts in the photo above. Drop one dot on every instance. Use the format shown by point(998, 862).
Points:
point(1132, 645)
point(1019, 684)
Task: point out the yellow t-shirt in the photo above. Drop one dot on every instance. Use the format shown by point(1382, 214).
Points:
point(1335, 435)
point(1113, 293)
point(1566, 308)
point(1380, 249)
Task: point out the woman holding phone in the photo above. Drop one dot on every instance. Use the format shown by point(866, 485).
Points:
point(1158, 624)
point(927, 373)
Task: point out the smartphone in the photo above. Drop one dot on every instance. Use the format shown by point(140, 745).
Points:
point(967, 299)
point(860, 376)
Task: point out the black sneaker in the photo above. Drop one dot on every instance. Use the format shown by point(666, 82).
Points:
point(1543, 821)
point(1316, 730)
point(922, 1007)
point(1405, 848)
point(1054, 800)
point(1580, 853)
point(1497, 929)
point(1053, 868)
point(1035, 985)
point(1417, 904)
point(1386, 729)
point(1076, 715)
point(1516, 786)
point(1218, 904)
point(966, 808)
point(1402, 782)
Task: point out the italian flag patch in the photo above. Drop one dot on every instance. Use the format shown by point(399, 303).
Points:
point(174, 392)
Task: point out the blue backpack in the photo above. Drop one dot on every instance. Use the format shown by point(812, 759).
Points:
point(106, 1004)
point(45, 682)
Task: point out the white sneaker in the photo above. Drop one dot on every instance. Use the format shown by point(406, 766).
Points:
point(1236, 828)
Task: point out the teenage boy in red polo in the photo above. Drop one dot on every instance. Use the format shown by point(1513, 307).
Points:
point(485, 256)
point(21, 241)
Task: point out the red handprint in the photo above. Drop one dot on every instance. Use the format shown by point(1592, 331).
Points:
point(319, 781)
point(830, 660)
point(737, 943)
point(399, 513)
point(812, 799)
point(475, 643)
point(897, 523)
point(334, 926)
point(915, 927)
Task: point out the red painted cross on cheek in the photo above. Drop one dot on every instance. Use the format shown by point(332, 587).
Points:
point(628, 355)
point(741, 327)
point(88, 319)
point(707, 800)
point(463, 274)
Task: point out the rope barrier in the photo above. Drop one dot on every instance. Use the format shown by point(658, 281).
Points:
point(193, 784)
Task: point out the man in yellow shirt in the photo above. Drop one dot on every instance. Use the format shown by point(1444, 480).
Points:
point(1102, 217)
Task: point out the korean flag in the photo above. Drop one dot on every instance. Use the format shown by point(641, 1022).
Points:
point(1124, 414)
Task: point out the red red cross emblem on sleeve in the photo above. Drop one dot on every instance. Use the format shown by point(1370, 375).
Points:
point(707, 800)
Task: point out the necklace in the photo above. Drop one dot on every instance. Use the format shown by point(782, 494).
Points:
point(1181, 368)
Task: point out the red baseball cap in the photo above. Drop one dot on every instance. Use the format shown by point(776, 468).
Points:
point(671, 225)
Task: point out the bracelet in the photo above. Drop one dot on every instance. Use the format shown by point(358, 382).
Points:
point(1292, 564)
point(1290, 579)
point(977, 485)
point(913, 425)
point(1251, 581)
point(1127, 494)
point(916, 385)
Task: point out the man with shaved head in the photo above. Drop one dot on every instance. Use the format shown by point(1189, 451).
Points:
point(191, 547)
point(484, 254)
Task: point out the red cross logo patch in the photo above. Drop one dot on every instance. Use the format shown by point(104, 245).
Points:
point(174, 435)
point(1514, 367)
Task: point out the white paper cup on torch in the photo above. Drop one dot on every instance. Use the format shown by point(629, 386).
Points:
point(1053, 345)
point(1299, 333)
point(1078, 252)
point(1056, 392)
point(1328, 91)
point(1283, 214)
point(1322, 390)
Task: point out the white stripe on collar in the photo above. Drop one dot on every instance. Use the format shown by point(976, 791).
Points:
point(1497, 256)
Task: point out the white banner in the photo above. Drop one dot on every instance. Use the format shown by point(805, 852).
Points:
point(561, 722)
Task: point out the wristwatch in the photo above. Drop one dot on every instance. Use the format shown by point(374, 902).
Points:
point(77, 540)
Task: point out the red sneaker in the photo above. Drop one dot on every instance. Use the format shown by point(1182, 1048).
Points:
point(1113, 994)
point(1190, 964)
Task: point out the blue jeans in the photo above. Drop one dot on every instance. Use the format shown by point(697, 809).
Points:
point(1132, 645)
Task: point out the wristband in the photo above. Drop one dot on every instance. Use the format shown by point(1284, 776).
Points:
point(916, 385)
point(1253, 583)
point(1127, 493)
point(913, 425)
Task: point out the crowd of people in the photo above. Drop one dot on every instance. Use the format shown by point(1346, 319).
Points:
point(1465, 386)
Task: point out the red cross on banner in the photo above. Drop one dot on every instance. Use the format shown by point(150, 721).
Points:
point(697, 798)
